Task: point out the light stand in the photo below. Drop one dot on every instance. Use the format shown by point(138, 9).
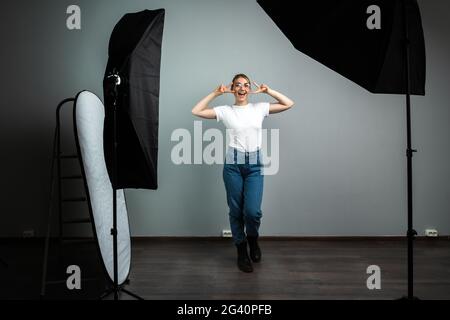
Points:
point(115, 80)
point(411, 233)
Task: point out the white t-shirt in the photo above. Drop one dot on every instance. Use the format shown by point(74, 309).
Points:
point(244, 124)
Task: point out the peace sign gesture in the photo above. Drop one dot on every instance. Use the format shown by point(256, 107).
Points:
point(223, 89)
point(260, 88)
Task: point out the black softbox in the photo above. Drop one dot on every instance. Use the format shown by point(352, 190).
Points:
point(135, 54)
point(335, 33)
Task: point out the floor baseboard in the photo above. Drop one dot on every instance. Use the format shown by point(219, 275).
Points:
point(263, 238)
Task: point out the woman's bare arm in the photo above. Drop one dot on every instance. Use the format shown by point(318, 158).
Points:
point(284, 103)
point(202, 109)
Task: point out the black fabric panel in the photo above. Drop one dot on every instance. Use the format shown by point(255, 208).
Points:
point(135, 51)
point(393, 73)
point(335, 33)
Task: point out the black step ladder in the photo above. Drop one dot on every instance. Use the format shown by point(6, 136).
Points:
point(56, 186)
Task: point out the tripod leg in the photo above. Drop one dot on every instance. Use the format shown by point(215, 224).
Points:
point(132, 294)
point(106, 293)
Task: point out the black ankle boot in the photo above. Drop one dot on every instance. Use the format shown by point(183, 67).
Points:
point(255, 251)
point(243, 261)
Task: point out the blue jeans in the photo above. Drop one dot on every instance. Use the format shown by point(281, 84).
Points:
point(244, 183)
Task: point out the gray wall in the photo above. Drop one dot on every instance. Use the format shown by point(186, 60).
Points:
point(342, 163)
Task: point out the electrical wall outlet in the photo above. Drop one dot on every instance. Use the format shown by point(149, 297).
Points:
point(226, 233)
point(28, 234)
point(431, 233)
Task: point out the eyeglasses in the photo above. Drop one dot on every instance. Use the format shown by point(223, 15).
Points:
point(239, 85)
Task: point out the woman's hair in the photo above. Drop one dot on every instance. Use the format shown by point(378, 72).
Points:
point(240, 75)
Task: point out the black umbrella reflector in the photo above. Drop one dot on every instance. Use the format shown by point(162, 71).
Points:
point(363, 40)
point(135, 52)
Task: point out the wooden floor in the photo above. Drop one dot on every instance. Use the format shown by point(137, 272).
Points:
point(191, 269)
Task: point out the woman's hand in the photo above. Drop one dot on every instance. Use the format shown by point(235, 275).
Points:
point(223, 89)
point(263, 88)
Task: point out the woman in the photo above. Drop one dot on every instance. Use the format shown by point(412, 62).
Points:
point(242, 169)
